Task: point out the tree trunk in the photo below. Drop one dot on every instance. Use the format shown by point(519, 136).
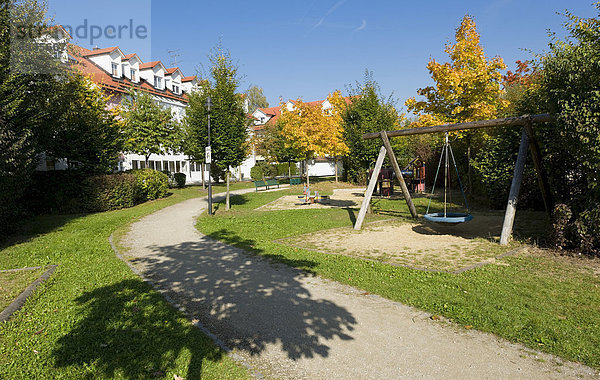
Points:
point(307, 174)
point(203, 168)
point(336, 169)
point(227, 195)
point(289, 169)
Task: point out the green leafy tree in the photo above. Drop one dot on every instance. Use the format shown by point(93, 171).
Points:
point(369, 112)
point(28, 80)
point(86, 133)
point(270, 144)
point(228, 118)
point(256, 98)
point(148, 128)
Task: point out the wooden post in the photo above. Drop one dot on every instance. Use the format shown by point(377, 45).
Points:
point(369, 193)
point(511, 207)
point(537, 161)
point(392, 157)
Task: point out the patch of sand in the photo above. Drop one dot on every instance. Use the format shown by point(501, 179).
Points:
point(418, 245)
point(341, 198)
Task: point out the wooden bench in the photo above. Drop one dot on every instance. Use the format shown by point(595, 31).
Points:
point(258, 184)
point(272, 182)
point(295, 181)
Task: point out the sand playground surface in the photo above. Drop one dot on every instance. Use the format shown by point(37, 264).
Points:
point(341, 198)
point(420, 244)
point(416, 245)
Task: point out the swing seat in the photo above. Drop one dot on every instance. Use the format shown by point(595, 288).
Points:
point(450, 218)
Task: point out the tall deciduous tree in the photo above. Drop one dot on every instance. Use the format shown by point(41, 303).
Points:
point(256, 98)
point(228, 117)
point(149, 129)
point(367, 113)
point(467, 88)
point(312, 131)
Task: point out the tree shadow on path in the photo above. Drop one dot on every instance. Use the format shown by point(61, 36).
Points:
point(247, 301)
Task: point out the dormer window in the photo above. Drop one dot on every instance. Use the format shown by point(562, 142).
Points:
point(133, 74)
point(167, 83)
point(115, 70)
point(157, 82)
point(176, 89)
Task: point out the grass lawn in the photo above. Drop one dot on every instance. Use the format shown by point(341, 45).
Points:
point(13, 283)
point(94, 318)
point(546, 302)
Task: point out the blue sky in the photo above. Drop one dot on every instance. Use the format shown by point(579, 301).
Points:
point(310, 48)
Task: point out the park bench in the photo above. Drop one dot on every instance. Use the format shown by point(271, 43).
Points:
point(272, 182)
point(295, 181)
point(258, 184)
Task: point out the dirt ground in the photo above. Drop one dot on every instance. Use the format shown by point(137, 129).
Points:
point(341, 198)
point(419, 245)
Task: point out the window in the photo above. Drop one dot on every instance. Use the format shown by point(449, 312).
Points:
point(115, 70)
point(151, 164)
point(157, 82)
point(134, 165)
point(133, 74)
point(176, 89)
point(177, 167)
point(157, 163)
point(142, 164)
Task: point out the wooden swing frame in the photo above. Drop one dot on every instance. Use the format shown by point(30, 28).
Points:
point(528, 140)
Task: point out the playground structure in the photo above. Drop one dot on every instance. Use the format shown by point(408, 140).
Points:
point(414, 172)
point(528, 140)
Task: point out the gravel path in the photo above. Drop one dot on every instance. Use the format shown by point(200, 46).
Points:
point(288, 324)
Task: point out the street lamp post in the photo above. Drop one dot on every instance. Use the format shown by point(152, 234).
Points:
point(208, 158)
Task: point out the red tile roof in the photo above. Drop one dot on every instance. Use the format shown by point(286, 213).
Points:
point(112, 84)
point(129, 56)
point(188, 79)
point(150, 65)
point(90, 53)
point(172, 70)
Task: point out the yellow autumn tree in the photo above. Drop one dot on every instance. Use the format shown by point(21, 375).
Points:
point(313, 130)
point(466, 89)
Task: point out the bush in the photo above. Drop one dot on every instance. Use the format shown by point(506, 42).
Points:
point(263, 170)
point(256, 173)
point(179, 179)
point(109, 192)
point(55, 192)
point(150, 185)
point(283, 169)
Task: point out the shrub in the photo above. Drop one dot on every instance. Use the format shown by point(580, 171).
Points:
point(256, 173)
point(284, 169)
point(55, 192)
point(109, 192)
point(150, 185)
point(179, 180)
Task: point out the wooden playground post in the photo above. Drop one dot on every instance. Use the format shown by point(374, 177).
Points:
point(369, 193)
point(515, 187)
point(525, 121)
point(394, 162)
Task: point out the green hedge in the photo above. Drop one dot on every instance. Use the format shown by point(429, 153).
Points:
point(109, 192)
point(71, 191)
point(263, 170)
point(179, 180)
point(151, 184)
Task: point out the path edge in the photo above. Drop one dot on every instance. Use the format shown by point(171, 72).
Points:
point(21, 298)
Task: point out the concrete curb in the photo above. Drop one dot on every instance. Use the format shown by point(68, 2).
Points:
point(20, 300)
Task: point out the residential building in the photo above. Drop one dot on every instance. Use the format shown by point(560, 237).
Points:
point(319, 166)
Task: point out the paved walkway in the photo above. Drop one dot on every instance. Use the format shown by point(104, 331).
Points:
point(288, 324)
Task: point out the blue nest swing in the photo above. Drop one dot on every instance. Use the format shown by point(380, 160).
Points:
point(446, 217)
